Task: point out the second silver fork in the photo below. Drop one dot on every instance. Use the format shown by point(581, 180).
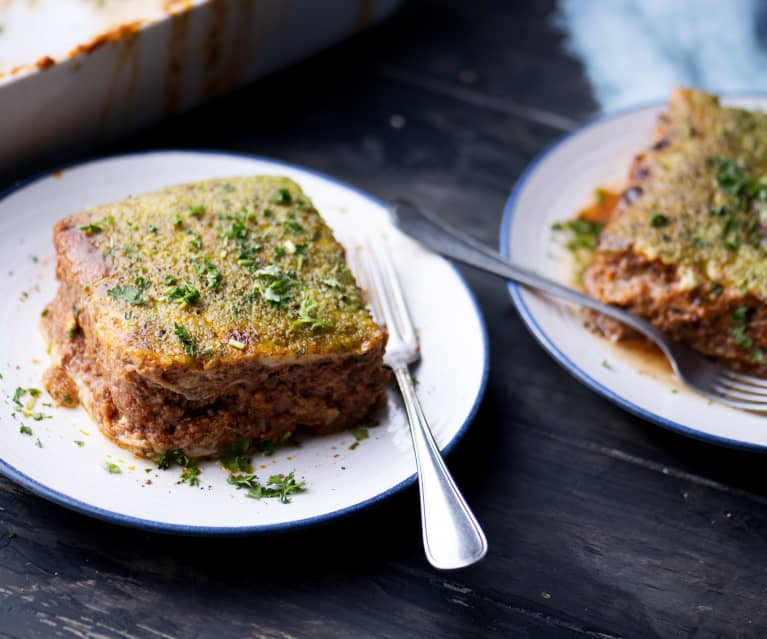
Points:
point(710, 378)
point(452, 537)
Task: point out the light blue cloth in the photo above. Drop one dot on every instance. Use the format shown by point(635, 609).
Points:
point(636, 51)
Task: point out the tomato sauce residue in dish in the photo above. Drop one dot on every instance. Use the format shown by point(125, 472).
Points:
point(113, 35)
point(45, 62)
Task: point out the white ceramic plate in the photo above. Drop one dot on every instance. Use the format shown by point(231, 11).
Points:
point(555, 187)
point(339, 480)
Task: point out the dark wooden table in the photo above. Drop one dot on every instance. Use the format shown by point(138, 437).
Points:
point(600, 525)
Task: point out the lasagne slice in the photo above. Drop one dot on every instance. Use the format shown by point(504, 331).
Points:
point(205, 313)
point(686, 248)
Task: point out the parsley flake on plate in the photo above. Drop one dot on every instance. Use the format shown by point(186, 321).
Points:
point(190, 473)
point(235, 457)
point(277, 486)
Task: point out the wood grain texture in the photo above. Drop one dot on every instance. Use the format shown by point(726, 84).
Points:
point(599, 524)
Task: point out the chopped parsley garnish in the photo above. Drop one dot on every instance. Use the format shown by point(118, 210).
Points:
point(582, 234)
point(294, 226)
point(114, 469)
point(196, 241)
point(210, 275)
point(658, 219)
point(92, 228)
point(732, 177)
point(183, 295)
point(274, 285)
point(227, 187)
point(307, 313)
point(235, 457)
point(266, 447)
point(738, 328)
point(171, 457)
point(198, 210)
point(25, 430)
point(237, 229)
point(277, 486)
point(279, 251)
point(331, 282)
point(300, 255)
point(79, 443)
point(129, 248)
point(152, 228)
point(360, 433)
point(247, 255)
point(33, 393)
point(178, 220)
point(187, 341)
point(282, 196)
point(38, 443)
point(133, 294)
point(741, 223)
point(67, 399)
point(738, 332)
point(190, 473)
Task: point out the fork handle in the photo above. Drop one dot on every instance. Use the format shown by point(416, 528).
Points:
point(426, 227)
point(452, 537)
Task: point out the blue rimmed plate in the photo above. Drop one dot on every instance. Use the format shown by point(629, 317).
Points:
point(555, 187)
point(340, 477)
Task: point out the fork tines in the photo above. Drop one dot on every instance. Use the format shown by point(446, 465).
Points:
point(378, 276)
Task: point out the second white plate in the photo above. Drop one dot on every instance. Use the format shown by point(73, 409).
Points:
point(555, 187)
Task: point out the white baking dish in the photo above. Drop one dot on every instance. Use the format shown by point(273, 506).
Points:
point(74, 73)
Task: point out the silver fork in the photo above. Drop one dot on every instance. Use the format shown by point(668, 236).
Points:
point(452, 537)
point(707, 377)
